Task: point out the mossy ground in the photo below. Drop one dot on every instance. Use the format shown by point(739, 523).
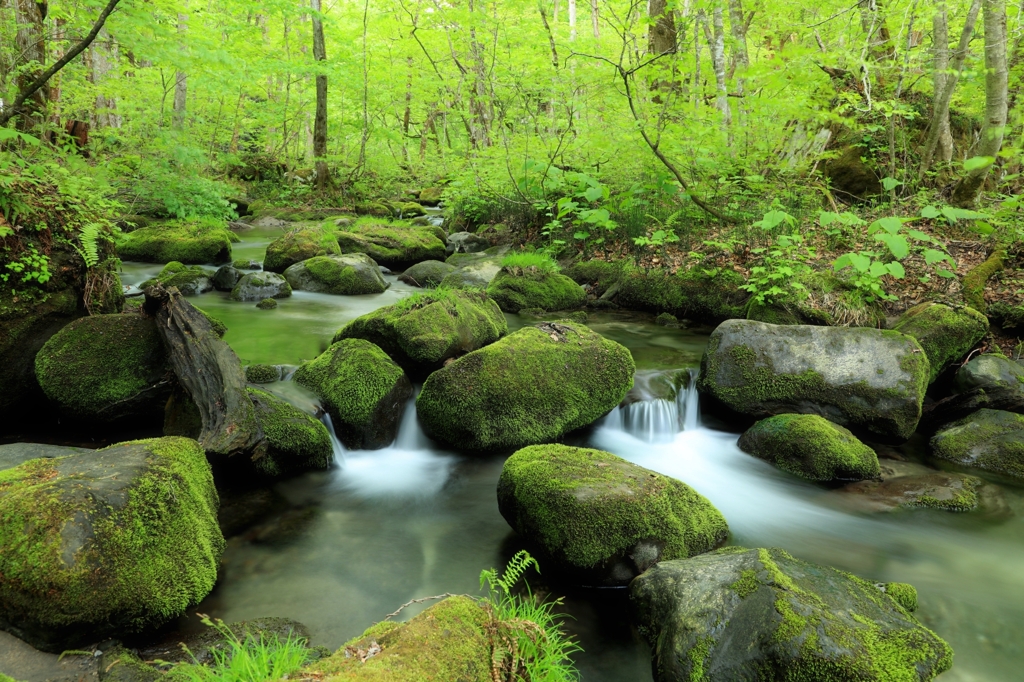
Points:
point(298, 245)
point(946, 334)
point(587, 507)
point(534, 289)
point(297, 441)
point(188, 242)
point(532, 386)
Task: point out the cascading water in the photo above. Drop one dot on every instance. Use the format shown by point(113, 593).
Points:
point(657, 420)
point(336, 446)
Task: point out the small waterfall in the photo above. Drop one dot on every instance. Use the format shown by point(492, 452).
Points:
point(336, 446)
point(689, 402)
point(657, 420)
point(410, 435)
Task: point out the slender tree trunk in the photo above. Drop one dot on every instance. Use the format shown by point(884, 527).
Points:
point(738, 28)
point(996, 82)
point(323, 174)
point(662, 34)
point(940, 107)
point(716, 41)
point(31, 46)
point(181, 80)
point(407, 114)
point(572, 20)
point(595, 18)
point(103, 57)
point(481, 126)
point(940, 68)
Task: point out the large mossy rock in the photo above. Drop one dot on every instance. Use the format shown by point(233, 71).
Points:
point(423, 331)
point(186, 243)
point(109, 541)
point(690, 293)
point(449, 642)
point(990, 440)
point(906, 485)
point(362, 389)
point(946, 334)
point(393, 246)
point(865, 379)
point(106, 368)
point(295, 440)
point(352, 274)
point(543, 290)
point(600, 519)
point(298, 245)
point(810, 447)
point(427, 274)
point(760, 614)
point(257, 286)
point(990, 372)
point(532, 386)
point(190, 280)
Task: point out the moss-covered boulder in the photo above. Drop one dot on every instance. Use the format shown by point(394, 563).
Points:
point(546, 290)
point(599, 275)
point(103, 542)
point(226, 278)
point(257, 286)
point(430, 196)
point(810, 447)
point(296, 441)
point(906, 485)
point(946, 334)
point(760, 614)
point(262, 374)
point(348, 275)
point(450, 641)
point(189, 280)
point(599, 519)
point(532, 386)
point(362, 389)
point(865, 379)
point(188, 243)
point(106, 368)
point(298, 245)
point(693, 293)
point(990, 440)
point(427, 274)
point(267, 304)
point(990, 371)
point(393, 246)
point(423, 331)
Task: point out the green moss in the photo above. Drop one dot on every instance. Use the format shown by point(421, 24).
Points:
point(666, 320)
point(746, 584)
point(811, 447)
point(267, 304)
point(392, 245)
point(183, 241)
point(261, 286)
point(219, 328)
point(246, 264)
point(135, 550)
point(298, 245)
point(903, 594)
point(448, 642)
point(946, 334)
point(532, 386)
point(261, 374)
point(297, 441)
point(348, 275)
point(657, 291)
point(964, 499)
point(974, 282)
point(693, 293)
point(421, 331)
point(992, 440)
point(546, 290)
point(598, 273)
point(360, 387)
point(97, 365)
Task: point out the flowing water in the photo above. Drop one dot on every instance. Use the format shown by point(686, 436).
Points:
point(413, 520)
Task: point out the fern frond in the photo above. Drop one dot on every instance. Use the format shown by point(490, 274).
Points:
point(515, 569)
point(89, 236)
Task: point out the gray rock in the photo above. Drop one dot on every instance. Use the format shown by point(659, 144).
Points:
point(989, 371)
point(269, 221)
point(466, 242)
point(991, 440)
point(349, 275)
point(905, 485)
point(226, 278)
point(260, 285)
point(239, 226)
point(429, 273)
point(946, 334)
point(759, 614)
point(475, 275)
point(865, 379)
point(13, 454)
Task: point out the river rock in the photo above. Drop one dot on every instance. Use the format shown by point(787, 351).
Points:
point(262, 374)
point(189, 280)
point(105, 368)
point(466, 242)
point(298, 245)
point(810, 447)
point(267, 304)
point(946, 334)
point(348, 275)
point(13, 454)
point(532, 386)
point(247, 264)
point(362, 389)
point(269, 221)
point(905, 485)
point(393, 246)
point(296, 441)
point(600, 519)
point(429, 273)
point(545, 290)
point(226, 278)
point(430, 196)
point(450, 641)
point(108, 541)
point(257, 286)
point(425, 330)
point(865, 379)
point(759, 614)
point(182, 242)
point(991, 440)
point(989, 371)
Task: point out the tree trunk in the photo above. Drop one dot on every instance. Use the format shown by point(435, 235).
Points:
point(481, 126)
point(103, 58)
point(940, 68)
point(572, 20)
point(662, 34)
point(31, 46)
point(595, 18)
point(716, 41)
point(181, 81)
point(940, 107)
point(738, 26)
point(323, 175)
point(996, 82)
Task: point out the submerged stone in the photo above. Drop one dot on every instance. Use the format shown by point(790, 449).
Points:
point(905, 485)
point(760, 614)
point(600, 519)
point(810, 447)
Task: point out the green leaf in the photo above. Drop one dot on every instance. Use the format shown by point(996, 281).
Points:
point(890, 184)
point(942, 272)
point(878, 269)
point(896, 270)
point(933, 256)
point(978, 162)
point(930, 212)
point(982, 227)
point(594, 193)
point(897, 244)
point(892, 225)
point(581, 235)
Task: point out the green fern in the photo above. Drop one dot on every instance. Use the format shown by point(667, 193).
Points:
point(90, 236)
point(513, 572)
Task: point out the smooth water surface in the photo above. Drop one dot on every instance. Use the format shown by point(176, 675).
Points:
point(414, 520)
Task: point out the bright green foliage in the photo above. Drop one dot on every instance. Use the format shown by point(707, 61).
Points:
point(393, 245)
point(298, 245)
point(988, 439)
point(529, 262)
point(96, 367)
point(135, 551)
point(362, 389)
point(810, 447)
point(422, 331)
point(532, 386)
point(776, 277)
point(534, 289)
point(297, 441)
point(189, 242)
point(590, 510)
point(946, 334)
